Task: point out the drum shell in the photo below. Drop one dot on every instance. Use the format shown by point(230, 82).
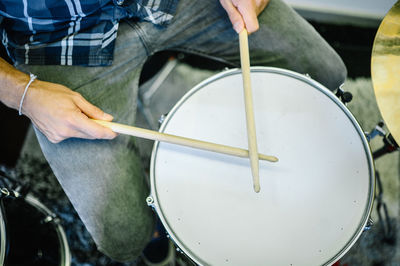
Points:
point(29, 224)
point(159, 199)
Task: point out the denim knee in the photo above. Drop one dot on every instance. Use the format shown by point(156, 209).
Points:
point(332, 74)
point(125, 245)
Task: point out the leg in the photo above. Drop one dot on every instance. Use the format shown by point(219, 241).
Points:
point(104, 179)
point(284, 40)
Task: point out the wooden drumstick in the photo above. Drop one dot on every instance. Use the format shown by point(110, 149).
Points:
point(248, 98)
point(204, 145)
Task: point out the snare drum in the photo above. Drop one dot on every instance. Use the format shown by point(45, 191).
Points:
point(313, 204)
point(31, 235)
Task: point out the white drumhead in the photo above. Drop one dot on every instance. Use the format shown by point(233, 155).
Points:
point(313, 203)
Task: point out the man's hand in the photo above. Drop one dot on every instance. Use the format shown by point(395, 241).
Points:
point(60, 113)
point(243, 13)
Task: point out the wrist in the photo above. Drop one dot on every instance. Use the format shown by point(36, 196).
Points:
point(12, 84)
point(32, 78)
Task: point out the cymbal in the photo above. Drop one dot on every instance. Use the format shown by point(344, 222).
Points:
point(385, 70)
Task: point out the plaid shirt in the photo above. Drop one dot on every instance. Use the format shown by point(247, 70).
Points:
point(71, 32)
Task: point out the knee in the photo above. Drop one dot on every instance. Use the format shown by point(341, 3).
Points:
point(301, 48)
point(332, 74)
point(125, 242)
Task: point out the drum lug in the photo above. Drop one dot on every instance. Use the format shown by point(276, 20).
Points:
point(51, 218)
point(344, 96)
point(150, 201)
point(179, 250)
point(369, 224)
point(5, 193)
point(162, 118)
point(175, 245)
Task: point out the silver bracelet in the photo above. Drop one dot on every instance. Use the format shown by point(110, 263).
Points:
point(33, 77)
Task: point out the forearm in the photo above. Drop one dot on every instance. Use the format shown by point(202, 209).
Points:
point(58, 112)
point(12, 84)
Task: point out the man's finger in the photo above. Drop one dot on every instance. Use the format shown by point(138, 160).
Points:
point(234, 15)
point(90, 110)
point(78, 134)
point(92, 129)
point(247, 10)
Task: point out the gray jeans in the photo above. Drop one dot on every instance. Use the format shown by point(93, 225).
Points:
point(104, 179)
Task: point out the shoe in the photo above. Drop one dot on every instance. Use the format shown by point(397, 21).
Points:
point(159, 252)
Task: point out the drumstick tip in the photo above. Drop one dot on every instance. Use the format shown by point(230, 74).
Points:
point(269, 158)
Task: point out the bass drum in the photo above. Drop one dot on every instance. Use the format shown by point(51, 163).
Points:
point(31, 235)
point(313, 204)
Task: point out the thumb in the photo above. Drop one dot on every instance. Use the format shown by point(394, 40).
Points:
point(247, 9)
point(234, 15)
point(90, 110)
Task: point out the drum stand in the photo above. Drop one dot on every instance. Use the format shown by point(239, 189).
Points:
point(389, 146)
point(8, 189)
point(5, 192)
point(17, 191)
point(144, 97)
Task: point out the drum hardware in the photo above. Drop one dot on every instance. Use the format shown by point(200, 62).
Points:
point(377, 131)
point(344, 96)
point(369, 224)
point(146, 114)
point(52, 218)
point(150, 201)
point(161, 119)
point(5, 193)
point(389, 146)
point(146, 96)
point(19, 189)
point(383, 213)
point(389, 143)
point(31, 235)
point(161, 77)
